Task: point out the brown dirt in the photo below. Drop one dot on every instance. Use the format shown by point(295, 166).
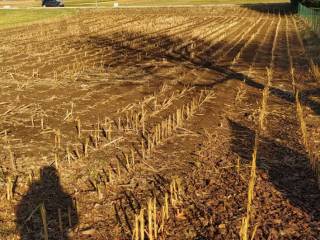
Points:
point(103, 66)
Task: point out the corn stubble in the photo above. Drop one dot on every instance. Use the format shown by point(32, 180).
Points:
point(130, 137)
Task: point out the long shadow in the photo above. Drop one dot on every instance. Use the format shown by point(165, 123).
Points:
point(306, 99)
point(60, 212)
point(164, 47)
point(288, 170)
point(271, 8)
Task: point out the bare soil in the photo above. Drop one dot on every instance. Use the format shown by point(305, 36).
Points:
point(81, 99)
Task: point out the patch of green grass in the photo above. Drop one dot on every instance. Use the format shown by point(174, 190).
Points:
point(18, 17)
point(163, 2)
point(195, 2)
point(109, 3)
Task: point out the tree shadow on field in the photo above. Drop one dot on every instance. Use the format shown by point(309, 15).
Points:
point(271, 8)
point(60, 210)
point(150, 55)
point(288, 169)
point(154, 55)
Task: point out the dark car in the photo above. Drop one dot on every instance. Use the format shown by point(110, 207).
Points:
point(52, 3)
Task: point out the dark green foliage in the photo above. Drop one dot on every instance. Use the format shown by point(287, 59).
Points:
point(307, 3)
point(311, 3)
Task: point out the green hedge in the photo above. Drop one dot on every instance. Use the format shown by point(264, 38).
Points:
point(312, 17)
point(307, 3)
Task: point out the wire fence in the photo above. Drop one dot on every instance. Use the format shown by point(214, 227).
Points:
point(312, 17)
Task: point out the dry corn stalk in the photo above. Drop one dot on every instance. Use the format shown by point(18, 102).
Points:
point(246, 220)
point(9, 189)
point(43, 214)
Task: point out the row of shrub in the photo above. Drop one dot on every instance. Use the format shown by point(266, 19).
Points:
point(307, 3)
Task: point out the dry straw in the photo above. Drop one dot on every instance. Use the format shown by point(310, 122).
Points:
point(157, 217)
point(9, 189)
point(43, 214)
point(244, 230)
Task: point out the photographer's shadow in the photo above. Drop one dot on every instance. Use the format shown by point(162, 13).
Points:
point(60, 212)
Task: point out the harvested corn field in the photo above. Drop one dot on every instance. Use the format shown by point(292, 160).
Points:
point(161, 123)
